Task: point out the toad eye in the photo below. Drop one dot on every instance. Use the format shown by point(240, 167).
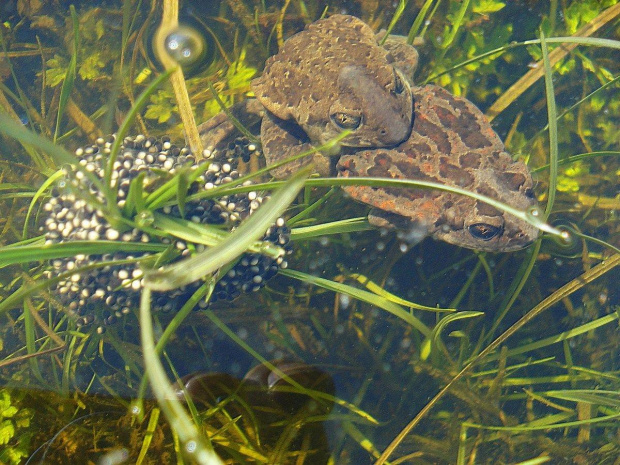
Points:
point(483, 231)
point(399, 85)
point(346, 121)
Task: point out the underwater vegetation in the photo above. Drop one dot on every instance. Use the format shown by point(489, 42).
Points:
point(191, 309)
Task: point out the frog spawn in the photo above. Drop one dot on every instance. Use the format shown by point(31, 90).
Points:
point(103, 295)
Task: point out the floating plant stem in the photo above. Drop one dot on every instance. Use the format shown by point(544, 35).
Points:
point(169, 23)
point(532, 216)
point(575, 105)
point(195, 444)
point(534, 74)
point(579, 38)
point(203, 292)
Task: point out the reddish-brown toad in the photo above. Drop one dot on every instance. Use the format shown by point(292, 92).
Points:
point(451, 143)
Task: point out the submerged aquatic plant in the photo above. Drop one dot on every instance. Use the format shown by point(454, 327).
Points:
point(509, 389)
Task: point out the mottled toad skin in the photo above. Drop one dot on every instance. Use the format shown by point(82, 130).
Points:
point(451, 143)
point(332, 76)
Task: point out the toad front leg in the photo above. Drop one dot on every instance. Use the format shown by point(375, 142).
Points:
point(282, 139)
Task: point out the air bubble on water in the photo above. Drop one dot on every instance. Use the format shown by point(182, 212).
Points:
point(145, 218)
point(191, 446)
point(533, 212)
point(185, 45)
point(345, 301)
point(566, 237)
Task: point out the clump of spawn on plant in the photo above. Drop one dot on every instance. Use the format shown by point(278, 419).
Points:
point(103, 295)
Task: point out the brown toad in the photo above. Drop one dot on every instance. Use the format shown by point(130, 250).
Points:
point(451, 143)
point(332, 76)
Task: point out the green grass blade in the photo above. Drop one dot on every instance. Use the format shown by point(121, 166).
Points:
point(334, 227)
point(550, 423)
point(41, 252)
point(456, 24)
point(135, 198)
point(414, 30)
point(575, 158)
point(589, 396)
point(438, 329)
point(402, 4)
point(40, 192)
point(591, 326)
point(67, 84)
point(194, 443)
point(376, 289)
point(205, 263)
point(361, 295)
point(140, 102)
point(207, 234)
point(552, 117)
point(532, 216)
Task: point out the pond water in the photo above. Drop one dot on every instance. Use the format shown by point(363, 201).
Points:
point(325, 339)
